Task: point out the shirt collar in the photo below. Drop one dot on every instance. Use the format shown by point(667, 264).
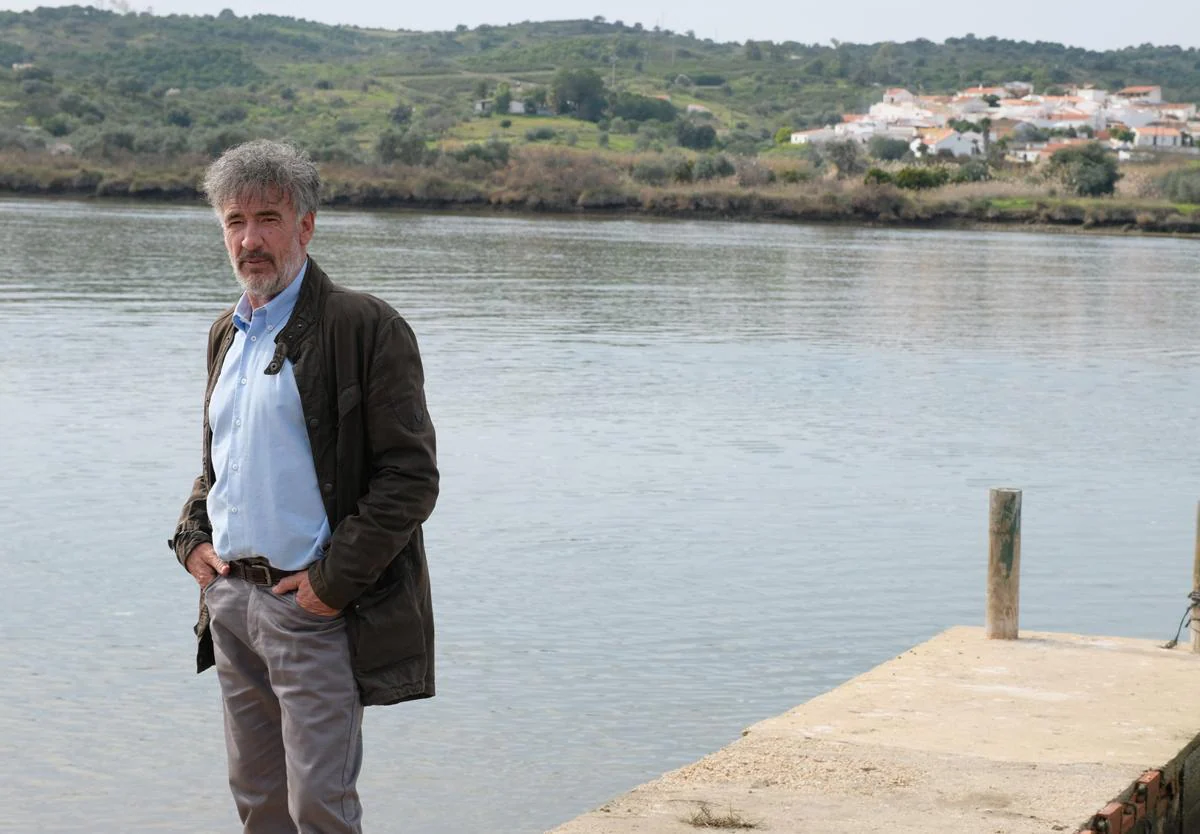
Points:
point(275, 312)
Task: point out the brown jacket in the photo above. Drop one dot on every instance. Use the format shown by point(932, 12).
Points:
point(361, 387)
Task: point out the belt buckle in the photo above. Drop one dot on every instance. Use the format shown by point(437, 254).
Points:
point(253, 572)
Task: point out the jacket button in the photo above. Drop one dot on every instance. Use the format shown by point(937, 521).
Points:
point(313, 422)
point(328, 487)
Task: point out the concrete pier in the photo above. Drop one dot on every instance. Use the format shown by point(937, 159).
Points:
point(960, 735)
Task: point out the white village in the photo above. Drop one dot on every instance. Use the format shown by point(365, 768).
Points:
point(1028, 127)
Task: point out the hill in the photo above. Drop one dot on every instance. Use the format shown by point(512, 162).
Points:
point(110, 84)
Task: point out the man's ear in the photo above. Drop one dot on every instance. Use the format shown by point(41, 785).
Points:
point(308, 225)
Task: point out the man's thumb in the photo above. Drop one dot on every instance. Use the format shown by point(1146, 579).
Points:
point(287, 584)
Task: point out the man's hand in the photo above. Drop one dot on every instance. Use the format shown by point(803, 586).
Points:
point(204, 564)
point(306, 598)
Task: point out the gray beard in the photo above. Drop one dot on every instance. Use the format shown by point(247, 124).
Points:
point(268, 286)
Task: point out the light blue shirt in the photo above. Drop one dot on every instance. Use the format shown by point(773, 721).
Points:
point(266, 500)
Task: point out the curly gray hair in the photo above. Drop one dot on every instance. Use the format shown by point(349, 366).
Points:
point(261, 169)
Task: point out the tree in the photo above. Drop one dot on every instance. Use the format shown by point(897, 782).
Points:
point(579, 92)
point(406, 146)
point(846, 157)
point(503, 99)
point(696, 137)
point(633, 107)
point(1122, 133)
point(783, 136)
point(886, 149)
point(401, 114)
point(1088, 170)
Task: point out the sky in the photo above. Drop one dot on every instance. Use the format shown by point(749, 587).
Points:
point(1099, 24)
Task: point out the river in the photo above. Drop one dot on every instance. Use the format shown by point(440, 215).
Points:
point(694, 473)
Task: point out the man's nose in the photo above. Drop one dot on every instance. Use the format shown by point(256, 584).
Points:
point(251, 235)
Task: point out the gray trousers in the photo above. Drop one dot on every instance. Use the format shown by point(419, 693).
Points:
point(293, 721)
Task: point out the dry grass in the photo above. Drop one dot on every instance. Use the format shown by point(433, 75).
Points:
point(731, 819)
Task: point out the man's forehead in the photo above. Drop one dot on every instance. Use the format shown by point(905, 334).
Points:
point(257, 200)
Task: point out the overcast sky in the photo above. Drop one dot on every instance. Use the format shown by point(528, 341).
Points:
point(1101, 24)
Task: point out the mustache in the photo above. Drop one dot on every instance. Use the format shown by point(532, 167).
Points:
point(258, 254)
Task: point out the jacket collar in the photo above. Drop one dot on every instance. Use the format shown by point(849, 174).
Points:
point(309, 306)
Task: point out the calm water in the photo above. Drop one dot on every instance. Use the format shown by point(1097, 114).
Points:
point(693, 474)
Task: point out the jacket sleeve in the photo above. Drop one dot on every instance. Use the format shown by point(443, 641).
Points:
point(194, 527)
point(402, 471)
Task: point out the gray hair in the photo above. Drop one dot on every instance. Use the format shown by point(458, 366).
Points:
point(262, 169)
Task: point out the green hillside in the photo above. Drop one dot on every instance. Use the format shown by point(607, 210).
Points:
point(110, 84)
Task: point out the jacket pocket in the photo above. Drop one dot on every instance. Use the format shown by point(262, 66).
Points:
point(386, 626)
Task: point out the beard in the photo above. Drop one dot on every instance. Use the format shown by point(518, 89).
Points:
point(271, 282)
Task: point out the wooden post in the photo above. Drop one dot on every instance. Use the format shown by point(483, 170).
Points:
point(1196, 587)
point(1004, 564)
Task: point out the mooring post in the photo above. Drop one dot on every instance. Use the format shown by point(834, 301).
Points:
point(1196, 587)
point(1004, 564)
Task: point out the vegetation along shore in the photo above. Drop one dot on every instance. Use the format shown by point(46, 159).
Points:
point(608, 117)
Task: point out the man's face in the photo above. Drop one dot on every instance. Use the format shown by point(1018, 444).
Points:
point(266, 242)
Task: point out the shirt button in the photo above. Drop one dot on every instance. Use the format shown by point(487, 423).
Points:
point(270, 327)
point(328, 487)
point(233, 510)
point(234, 467)
point(313, 423)
point(237, 422)
point(243, 380)
point(254, 338)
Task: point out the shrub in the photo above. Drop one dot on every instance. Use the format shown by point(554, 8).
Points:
point(682, 170)
point(1088, 170)
point(696, 137)
point(751, 173)
point(179, 117)
point(494, 153)
point(506, 123)
point(919, 177)
point(1182, 185)
point(887, 150)
point(877, 176)
point(974, 171)
point(713, 167)
point(407, 147)
point(602, 140)
point(232, 114)
point(650, 172)
point(540, 134)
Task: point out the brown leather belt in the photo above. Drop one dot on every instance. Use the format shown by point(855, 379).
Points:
point(257, 573)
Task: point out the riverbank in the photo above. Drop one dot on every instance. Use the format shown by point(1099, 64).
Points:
point(578, 184)
point(960, 734)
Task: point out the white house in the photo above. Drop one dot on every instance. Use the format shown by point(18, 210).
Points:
point(814, 137)
point(946, 140)
point(897, 95)
point(1090, 94)
point(981, 91)
point(1157, 136)
point(1146, 94)
point(968, 106)
point(1133, 113)
point(1182, 112)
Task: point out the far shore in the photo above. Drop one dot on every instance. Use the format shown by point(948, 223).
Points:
point(539, 187)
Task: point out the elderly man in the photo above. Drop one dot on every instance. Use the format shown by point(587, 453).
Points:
point(303, 529)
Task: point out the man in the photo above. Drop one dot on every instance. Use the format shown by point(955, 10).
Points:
point(303, 529)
